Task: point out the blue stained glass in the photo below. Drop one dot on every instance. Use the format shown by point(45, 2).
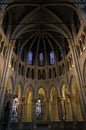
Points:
point(84, 14)
point(30, 57)
point(41, 59)
point(52, 58)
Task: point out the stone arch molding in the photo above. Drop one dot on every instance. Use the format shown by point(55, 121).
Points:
point(18, 90)
point(30, 87)
point(53, 91)
point(62, 86)
point(42, 91)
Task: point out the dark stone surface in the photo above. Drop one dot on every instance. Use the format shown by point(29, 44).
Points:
point(44, 126)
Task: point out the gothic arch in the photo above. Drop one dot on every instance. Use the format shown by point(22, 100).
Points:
point(53, 92)
point(53, 86)
point(62, 85)
point(18, 91)
point(41, 91)
point(31, 88)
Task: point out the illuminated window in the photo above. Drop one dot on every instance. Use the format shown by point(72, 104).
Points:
point(41, 59)
point(14, 110)
point(38, 109)
point(52, 58)
point(30, 58)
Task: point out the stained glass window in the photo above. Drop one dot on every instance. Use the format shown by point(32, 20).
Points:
point(14, 115)
point(52, 58)
point(30, 57)
point(41, 59)
point(38, 109)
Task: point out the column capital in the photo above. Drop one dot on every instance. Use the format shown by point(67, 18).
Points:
point(72, 97)
point(60, 98)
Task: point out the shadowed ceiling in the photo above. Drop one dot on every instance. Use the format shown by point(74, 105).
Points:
point(40, 25)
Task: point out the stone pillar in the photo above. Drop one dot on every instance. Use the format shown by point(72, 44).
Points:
point(79, 78)
point(21, 109)
point(62, 112)
point(61, 108)
point(48, 110)
point(4, 77)
point(74, 107)
point(33, 110)
point(21, 101)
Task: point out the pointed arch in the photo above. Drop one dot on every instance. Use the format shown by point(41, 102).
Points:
point(41, 91)
point(18, 91)
point(31, 88)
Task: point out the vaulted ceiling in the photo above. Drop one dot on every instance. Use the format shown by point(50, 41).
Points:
point(40, 25)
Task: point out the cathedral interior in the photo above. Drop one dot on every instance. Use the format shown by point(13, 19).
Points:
point(42, 64)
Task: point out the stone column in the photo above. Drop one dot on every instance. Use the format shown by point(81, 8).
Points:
point(62, 112)
point(79, 78)
point(21, 107)
point(74, 108)
point(21, 101)
point(48, 110)
point(4, 77)
point(33, 110)
point(61, 108)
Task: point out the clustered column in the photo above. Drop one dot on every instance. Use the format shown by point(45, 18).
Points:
point(74, 108)
point(47, 109)
point(33, 109)
point(61, 108)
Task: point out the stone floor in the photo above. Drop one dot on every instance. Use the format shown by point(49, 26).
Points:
point(44, 126)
